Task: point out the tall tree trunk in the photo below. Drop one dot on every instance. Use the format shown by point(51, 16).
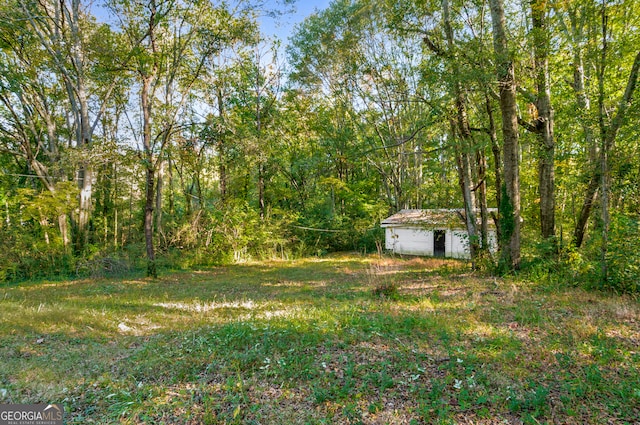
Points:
point(464, 175)
point(222, 171)
point(148, 223)
point(481, 162)
point(261, 201)
point(584, 105)
point(604, 157)
point(466, 139)
point(221, 146)
point(149, 178)
point(495, 150)
point(545, 120)
point(84, 211)
point(64, 230)
point(171, 194)
point(419, 176)
point(497, 162)
point(147, 95)
point(159, 187)
point(510, 207)
point(261, 155)
point(85, 173)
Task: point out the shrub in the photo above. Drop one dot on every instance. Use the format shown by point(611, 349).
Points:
point(623, 255)
point(584, 266)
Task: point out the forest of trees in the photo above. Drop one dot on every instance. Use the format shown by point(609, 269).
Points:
point(171, 133)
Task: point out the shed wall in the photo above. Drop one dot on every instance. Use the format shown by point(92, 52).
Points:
point(417, 241)
point(409, 240)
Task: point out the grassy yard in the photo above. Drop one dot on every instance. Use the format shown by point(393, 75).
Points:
point(308, 342)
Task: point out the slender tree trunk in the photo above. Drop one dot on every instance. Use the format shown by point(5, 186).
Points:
point(261, 190)
point(481, 162)
point(584, 105)
point(604, 195)
point(222, 157)
point(84, 212)
point(464, 167)
point(510, 207)
point(64, 230)
point(149, 179)
point(546, 181)
point(419, 176)
point(604, 157)
point(222, 172)
point(148, 223)
point(462, 160)
point(197, 182)
point(171, 194)
point(115, 227)
point(44, 223)
point(463, 151)
point(585, 211)
point(85, 173)
point(497, 169)
point(545, 121)
point(495, 150)
point(159, 187)
point(84, 127)
point(261, 165)
point(130, 214)
point(146, 102)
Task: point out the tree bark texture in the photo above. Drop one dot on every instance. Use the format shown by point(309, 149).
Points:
point(159, 186)
point(481, 164)
point(149, 179)
point(463, 151)
point(221, 147)
point(510, 253)
point(545, 120)
point(584, 105)
point(497, 161)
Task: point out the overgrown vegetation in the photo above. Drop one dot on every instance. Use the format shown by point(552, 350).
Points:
point(306, 341)
point(121, 143)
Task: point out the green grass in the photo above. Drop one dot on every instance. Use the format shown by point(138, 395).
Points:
point(318, 341)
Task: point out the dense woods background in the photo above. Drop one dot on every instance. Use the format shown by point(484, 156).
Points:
point(171, 133)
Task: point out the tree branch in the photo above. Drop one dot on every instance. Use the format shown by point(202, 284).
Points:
point(527, 125)
point(627, 97)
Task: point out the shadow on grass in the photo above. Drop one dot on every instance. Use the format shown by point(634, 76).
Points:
point(307, 342)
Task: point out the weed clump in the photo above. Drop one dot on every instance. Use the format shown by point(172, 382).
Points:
point(386, 290)
point(380, 278)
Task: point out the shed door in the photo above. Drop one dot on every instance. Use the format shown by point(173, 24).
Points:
point(438, 243)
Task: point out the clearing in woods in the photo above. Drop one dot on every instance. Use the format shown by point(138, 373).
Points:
point(342, 339)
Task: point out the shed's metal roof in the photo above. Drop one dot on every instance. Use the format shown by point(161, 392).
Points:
point(450, 218)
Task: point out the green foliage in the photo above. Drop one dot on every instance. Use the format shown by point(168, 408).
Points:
point(255, 167)
point(623, 255)
point(583, 267)
point(31, 244)
point(248, 236)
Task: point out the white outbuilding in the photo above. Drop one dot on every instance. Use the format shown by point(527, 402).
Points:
point(435, 232)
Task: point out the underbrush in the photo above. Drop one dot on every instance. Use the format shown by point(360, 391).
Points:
point(617, 271)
